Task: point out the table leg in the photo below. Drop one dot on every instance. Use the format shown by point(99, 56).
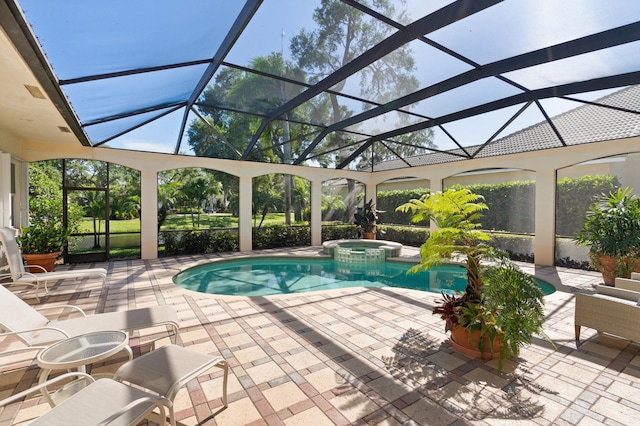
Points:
point(129, 352)
point(45, 392)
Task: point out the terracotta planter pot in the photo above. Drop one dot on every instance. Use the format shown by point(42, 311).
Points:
point(608, 268)
point(46, 260)
point(467, 343)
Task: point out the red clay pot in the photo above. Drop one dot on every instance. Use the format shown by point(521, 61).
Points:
point(608, 268)
point(467, 343)
point(46, 260)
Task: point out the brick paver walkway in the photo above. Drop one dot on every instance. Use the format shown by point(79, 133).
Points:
point(368, 356)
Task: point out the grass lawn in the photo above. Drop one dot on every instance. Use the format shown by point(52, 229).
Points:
point(181, 221)
point(133, 225)
point(184, 221)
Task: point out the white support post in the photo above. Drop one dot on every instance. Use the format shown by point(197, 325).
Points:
point(545, 220)
point(371, 193)
point(5, 189)
point(316, 212)
point(244, 215)
point(22, 188)
point(149, 214)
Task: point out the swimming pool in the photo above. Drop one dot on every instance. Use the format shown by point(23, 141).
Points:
point(262, 276)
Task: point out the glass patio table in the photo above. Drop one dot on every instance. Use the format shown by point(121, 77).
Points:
point(75, 353)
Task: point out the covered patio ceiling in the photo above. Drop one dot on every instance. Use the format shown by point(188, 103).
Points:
point(362, 85)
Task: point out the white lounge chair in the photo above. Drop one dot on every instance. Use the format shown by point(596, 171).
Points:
point(168, 369)
point(20, 275)
point(102, 402)
point(36, 331)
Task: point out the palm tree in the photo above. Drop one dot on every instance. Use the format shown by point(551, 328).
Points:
point(196, 191)
point(456, 213)
point(95, 208)
point(300, 193)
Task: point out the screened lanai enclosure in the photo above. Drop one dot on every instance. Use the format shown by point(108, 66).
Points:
point(338, 101)
point(341, 84)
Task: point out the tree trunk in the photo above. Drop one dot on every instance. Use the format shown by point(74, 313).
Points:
point(473, 290)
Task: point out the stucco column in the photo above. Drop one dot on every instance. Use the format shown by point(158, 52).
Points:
point(22, 194)
point(244, 214)
point(316, 212)
point(149, 214)
point(631, 172)
point(371, 193)
point(5, 189)
point(545, 220)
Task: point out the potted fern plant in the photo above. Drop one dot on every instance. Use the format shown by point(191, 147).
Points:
point(502, 307)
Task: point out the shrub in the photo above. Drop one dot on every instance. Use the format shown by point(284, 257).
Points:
point(387, 201)
point(518, 247)
point(413, 236)
point(511, 204)
point(281, 236)
point(198, 241)
point(339, 232)
point(575, 196)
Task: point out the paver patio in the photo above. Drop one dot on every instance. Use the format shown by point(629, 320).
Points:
point(368, 356)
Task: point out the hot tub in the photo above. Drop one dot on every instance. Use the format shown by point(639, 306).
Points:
point(391, 248)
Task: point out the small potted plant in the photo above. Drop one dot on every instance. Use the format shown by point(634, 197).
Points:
point(41, 244)
point(366, 219)
point(612, 233)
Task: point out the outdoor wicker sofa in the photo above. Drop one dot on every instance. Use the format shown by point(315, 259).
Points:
point(613, 310)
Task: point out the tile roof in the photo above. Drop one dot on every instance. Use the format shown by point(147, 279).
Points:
point(585, 124)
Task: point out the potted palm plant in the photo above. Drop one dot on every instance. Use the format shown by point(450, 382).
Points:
point(366, 218)
point(501, 307)
point(612, 233)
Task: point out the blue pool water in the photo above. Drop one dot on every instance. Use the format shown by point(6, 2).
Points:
point(266, 276)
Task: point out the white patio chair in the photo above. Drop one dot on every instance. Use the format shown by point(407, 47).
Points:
point(20, 275)
point(101, 402)
point(167, 369)
point(36, 331)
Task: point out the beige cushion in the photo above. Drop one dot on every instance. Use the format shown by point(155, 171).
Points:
point(620, 293)
point(628, 284)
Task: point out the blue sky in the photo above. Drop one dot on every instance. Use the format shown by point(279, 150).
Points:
point(83, 37)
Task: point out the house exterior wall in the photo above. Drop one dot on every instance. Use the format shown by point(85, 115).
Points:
point(542, 165)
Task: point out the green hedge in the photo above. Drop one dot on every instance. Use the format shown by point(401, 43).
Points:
point(388, 201)
point(413, 236)
point(408, 235)
point(339, 232)
point(281, 236)
point(198, 241)
point(512, 204)
point(573, 198)
point(519, 247)
point(212, 241)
